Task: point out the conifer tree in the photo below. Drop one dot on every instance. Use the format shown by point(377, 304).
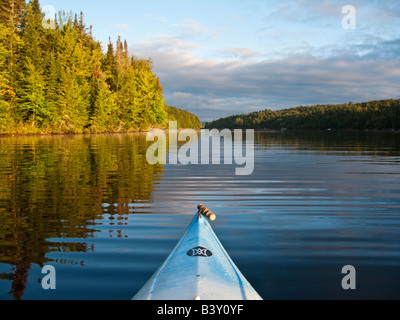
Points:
point(11, 17)
point(72, 103)
point(59, 77)
point(109, 66)
point(149, 96)
point(11, 10)
point(104, 116)
point(31, 103)
point(52, 76)
point(5, 90)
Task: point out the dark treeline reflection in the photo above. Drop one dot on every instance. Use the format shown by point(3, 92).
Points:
point(385, 143)
point(58, 187)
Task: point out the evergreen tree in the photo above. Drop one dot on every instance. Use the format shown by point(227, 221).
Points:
point(75, 63)
point(104, 116)
point(52, 77)
point(109, 67)
point(59, 78)
point(32, 104)
point(11, 10)
point(149, 95)
point(11, 17)
point(103, 112)
point(72, 102)
point(6, 92)
point(33, 36)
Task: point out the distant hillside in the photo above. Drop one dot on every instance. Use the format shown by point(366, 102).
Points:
point(373, 115)
point(185, 119)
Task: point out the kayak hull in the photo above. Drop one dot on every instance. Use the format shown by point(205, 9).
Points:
point(199, 268)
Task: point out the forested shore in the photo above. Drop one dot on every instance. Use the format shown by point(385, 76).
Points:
point(56, 78)
point(184, 119)
point(373, 115)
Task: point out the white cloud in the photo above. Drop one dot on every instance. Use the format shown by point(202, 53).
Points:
point(357, 66)
point(213, 90)
point(210, 107)
point(191, 27)
point(164, 42)
point(238, 53)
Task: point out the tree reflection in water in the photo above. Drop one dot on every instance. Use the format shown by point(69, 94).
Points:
point(58, 187)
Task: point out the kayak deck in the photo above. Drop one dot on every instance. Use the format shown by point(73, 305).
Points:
point(198, 268)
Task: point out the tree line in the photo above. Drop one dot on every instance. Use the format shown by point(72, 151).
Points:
point(185, 119)
point(58, 80)
point(373, 115)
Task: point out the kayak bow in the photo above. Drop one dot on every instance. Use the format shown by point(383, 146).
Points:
point(198, 268)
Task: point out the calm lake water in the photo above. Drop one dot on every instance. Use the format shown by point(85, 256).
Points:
point(92, 207)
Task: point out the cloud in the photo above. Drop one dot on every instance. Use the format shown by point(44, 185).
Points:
point(209, 107)
point(191, 27)
point(385, 49)
point(213, 90)
point(192, 30)
point(238, 53)
point(306, 11)
point(354, 66)
point(164, 42)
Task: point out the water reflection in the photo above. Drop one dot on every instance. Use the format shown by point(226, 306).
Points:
point(61, 197)
point(57, 187)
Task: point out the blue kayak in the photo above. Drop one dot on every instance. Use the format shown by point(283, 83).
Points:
point(199, 268)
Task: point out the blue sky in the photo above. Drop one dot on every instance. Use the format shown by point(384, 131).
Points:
point(218, 58)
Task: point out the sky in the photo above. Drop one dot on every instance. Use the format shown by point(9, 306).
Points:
point(225, 57)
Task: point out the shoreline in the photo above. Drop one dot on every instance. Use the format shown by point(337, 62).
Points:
point(67, 133)
point(4, 135)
